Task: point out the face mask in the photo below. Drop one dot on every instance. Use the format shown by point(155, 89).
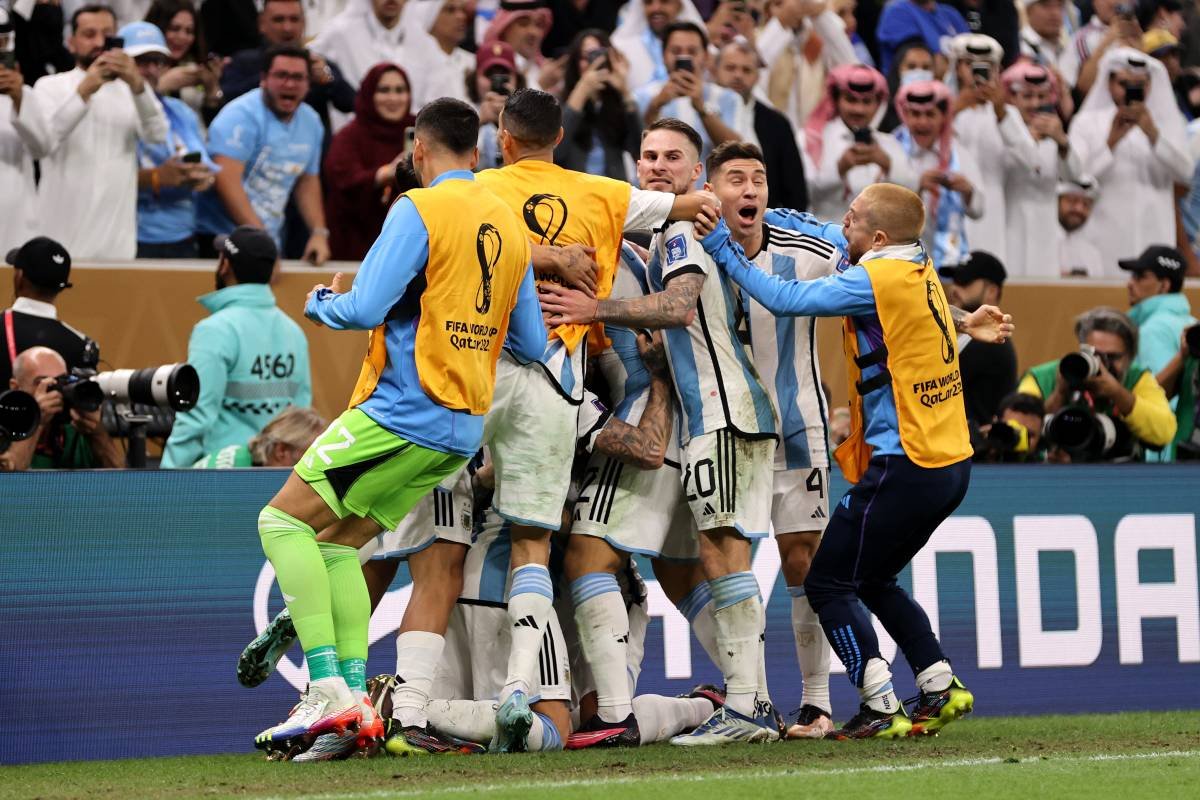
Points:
point(915, 75)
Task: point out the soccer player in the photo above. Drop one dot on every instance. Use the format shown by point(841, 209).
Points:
point(444, 285)
point(908, 455)
point(728, 432)
point(784, 351)
point(531, 428)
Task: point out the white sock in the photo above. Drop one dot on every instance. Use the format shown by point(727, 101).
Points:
point(543, 735)
point(697, 609)
point(603, 625)
point(659, 718)
point(417, 655)
point(812, 651)
point(530, 600)
point(935, 677)
point(877, 690)
point(738, 627)
point(471, 720)
point(764, 695)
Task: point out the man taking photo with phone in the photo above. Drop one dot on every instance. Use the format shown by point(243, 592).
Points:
point(94, 116)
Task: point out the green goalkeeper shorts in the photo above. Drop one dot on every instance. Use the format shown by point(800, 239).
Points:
point(359, 467)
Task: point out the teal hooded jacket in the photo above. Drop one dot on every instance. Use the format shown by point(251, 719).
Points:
point(253, 362)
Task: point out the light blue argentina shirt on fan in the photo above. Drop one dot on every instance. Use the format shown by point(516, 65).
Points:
point(275, 154)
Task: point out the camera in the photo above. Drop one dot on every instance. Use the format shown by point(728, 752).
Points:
point(1086, 435)
point(19, 417)
point(8, 41)
point(1191, 337)
point(982, 71)
point(1008, 436)
point(1077, 368)
point(863, 136)
point(114, 43)
point(1134, 93)
point(173, 386)
point(78, 390)
point(685, 64)
point(500, 83)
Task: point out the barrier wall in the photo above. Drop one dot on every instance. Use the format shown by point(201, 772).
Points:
point(126, 598)
point(143, 315)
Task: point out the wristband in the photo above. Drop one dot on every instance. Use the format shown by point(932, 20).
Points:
point(321, 232)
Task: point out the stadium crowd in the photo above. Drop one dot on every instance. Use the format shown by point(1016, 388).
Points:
point(1039, 140)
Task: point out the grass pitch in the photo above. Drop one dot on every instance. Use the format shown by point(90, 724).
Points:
point(1122, 756)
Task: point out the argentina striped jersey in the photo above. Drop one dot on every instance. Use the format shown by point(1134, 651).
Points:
point(785, 348)
point(715, 377)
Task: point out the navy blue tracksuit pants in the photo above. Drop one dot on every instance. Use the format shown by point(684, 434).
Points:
point(875, 530)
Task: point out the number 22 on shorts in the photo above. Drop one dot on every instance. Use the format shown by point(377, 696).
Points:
point(325, 448)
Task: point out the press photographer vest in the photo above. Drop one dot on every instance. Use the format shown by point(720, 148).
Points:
point(478, 254)
point(562, 207)
point(1045, 375)
point(918, 359)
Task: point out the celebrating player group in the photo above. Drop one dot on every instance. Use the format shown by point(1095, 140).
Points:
point(541, 399)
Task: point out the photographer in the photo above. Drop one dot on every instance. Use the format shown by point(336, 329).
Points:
point(1014, 436)
point(1114, 384)
point(252, 359)
point(67, 437)
point(41, 270)
point(1180, 378)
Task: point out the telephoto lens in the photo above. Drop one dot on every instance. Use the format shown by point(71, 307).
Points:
point(1076, 368)
point(19, 417)
point(174, 386)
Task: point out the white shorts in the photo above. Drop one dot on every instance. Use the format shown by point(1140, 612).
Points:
point(445, 514)
point(801, 500)
point(636, 510)
point(530, 432)
point(727, 482)
point(474, 662)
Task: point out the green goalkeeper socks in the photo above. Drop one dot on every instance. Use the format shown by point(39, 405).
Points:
point(350, 607)
point(292, 548)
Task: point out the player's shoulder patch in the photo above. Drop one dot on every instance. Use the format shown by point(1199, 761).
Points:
point(676, 248)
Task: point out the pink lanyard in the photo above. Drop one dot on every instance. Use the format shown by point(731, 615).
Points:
point(8, 335)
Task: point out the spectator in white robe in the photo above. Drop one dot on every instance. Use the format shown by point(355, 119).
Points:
point(435, 28)
point(991, 130)
point(1077, 256)
point(844, 149)
point(799, 45)
point(1130, 135)
point(638, 36)
point(1031, 194)
point(948, 175)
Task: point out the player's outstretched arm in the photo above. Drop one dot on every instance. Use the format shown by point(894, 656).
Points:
point(848, 293)
point(645, 445)
point(673, 307)
point(401, 251)
point(526, 330)
point(984, 324)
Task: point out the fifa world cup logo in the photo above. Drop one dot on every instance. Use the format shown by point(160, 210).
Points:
point(487, 249)
point(941, 312)
point(545, 215)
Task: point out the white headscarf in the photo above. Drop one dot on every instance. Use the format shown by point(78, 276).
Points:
point(632, 33)
point(1160, 99)
point(973, 46)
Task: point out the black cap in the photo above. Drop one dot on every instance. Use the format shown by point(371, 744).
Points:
point(1165, 262)
point(251, 252)
point(979, 264)
point(45, 262)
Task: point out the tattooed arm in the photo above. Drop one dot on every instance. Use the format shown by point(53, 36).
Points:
point(985, 324)
point(673, 307)
point(644, 446)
